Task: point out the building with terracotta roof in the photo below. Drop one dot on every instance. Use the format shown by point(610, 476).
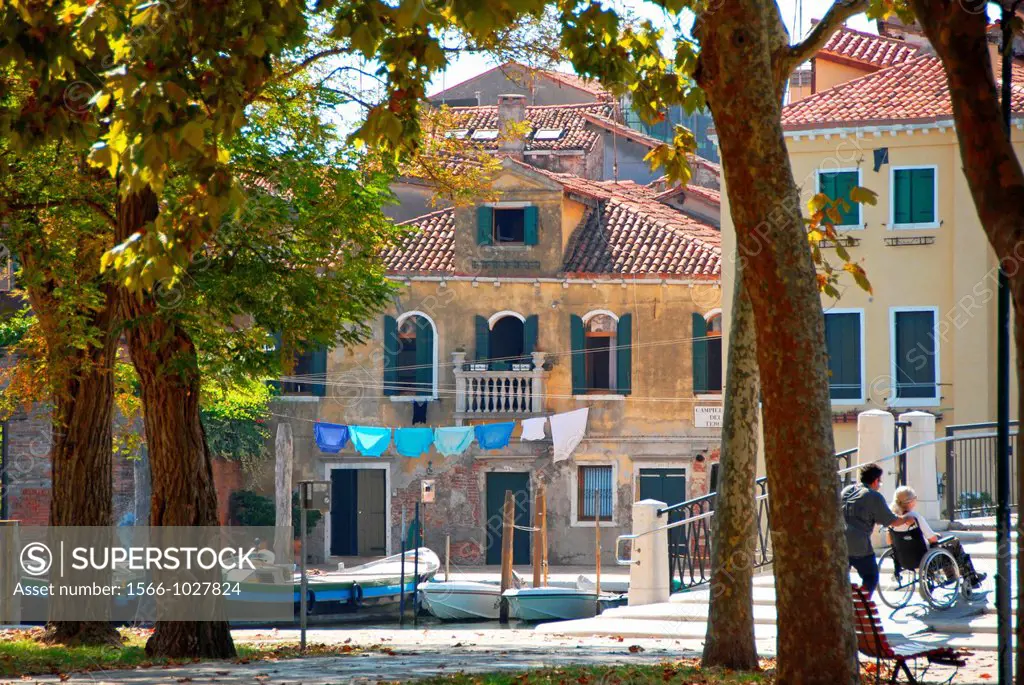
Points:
point(925, 338)
point(561, 292)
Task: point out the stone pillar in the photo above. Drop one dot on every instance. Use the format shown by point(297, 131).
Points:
point(648, 575)
point(875, 431)
point(284, 453)
point(921, 466)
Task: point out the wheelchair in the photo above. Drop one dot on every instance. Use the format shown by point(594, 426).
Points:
point(911, 564)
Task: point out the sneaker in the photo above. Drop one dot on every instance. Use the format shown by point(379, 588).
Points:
point(979, 578)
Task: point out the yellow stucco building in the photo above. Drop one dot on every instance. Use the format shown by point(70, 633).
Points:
point(877, 114)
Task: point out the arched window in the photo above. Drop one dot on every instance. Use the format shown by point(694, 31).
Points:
point(505, 339)
point(602, 353)
point(410, 355)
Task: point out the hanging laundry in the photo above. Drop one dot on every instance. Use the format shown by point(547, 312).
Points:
point(370, 441)
point(413, 442)
point(419, 412)
point(453, 440)
point(567, 431)
point(330, 437)
point(494, 436)
point(533, 429)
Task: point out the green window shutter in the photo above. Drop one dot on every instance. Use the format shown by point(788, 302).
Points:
point(483, 339)
point(318, 368)
point(530, 225)
point(827, 184)
point(424, 357)
point(700, 354)
point(624, 355)
point(391, 345)
point(901, 197)
point(579, 364)
point(842, 339)
point(484, 225)
point(846, 181)
point(915, 355)
point(530, 335)
point(922, 192)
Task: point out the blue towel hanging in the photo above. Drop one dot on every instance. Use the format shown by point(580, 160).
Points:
point(494, 436)
point(453, 440)
point(413, 442)
point(330, 437)
point(370, 441)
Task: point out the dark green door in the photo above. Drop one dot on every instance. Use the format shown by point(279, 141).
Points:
point(664, 485)
point(497, 484)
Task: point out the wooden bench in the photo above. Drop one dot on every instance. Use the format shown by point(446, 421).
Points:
point(872, 641)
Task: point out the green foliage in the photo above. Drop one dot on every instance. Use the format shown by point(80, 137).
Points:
point(14, 326)
point(234, 419)
point(825, 213)
point(247, 508)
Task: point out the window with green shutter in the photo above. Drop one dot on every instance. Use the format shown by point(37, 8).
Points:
point(837, 185)
point(842, 341)
point(915, 356)
point(507, 225)
point(409, 362)
point(913, 197)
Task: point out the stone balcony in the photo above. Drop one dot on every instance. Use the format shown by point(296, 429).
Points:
point(483, 392)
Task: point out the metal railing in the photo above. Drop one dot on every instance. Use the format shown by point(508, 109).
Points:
point(689, 531)
point(969, 483)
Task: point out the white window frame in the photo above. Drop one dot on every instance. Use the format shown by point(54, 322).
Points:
point(399, 320)
point(914, 401)
point(860, 209)
point(893, 226)
point(861, 399)
point(574, 503)
point(498, 316)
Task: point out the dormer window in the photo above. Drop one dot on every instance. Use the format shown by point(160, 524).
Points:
point(513, 224)
point(485, 134)
point(548, 134)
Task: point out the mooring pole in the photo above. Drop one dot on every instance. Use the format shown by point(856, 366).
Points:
point(303, 584)
point(508, 517)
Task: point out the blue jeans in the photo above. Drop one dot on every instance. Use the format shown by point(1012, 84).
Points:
point(867, 569)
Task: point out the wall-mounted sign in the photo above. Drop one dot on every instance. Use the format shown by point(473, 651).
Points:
point(427, 491)
point(707, 417)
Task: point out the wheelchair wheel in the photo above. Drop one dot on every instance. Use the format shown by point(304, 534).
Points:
point(895, 589)
point(939, 579)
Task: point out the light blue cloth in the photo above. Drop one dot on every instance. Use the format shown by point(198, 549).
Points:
point(454, 440)
point(370, 441)
point(413, 442)
point(330, 437)
point(494, 436)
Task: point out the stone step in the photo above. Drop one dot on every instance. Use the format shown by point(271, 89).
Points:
point(679, 611)
point(637, 628)
point(763, 596)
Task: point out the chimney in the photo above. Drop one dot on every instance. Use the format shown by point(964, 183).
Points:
point(511, 110)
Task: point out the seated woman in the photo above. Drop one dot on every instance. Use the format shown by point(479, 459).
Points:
point(903, 502)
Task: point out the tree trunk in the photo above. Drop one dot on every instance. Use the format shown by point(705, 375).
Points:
point(730, 637)
point(183, 492)
point(994, 175)
point(82, 432)
point(816, 642)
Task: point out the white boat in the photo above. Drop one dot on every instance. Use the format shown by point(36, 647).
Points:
point(461, 600)
point(551, 603)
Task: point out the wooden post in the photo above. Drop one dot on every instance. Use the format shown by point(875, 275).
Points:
point(507, 521)
point(597, 537)
point(284, 455)
point(538, 541)
point(447, 558)
point(544, 532)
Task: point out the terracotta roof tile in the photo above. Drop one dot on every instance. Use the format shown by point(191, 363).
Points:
point(576, 134)
point(428, 247)
point(868, 48)
point(914, 91)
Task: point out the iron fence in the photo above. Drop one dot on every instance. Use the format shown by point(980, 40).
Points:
point(968, 486)
point(689, 544)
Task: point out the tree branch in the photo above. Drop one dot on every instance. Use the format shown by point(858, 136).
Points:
point(84, 202)
point(795, 55)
